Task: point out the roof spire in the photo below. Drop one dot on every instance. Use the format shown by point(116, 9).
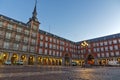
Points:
point(34, 17)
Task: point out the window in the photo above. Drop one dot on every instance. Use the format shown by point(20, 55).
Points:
point(9, 27)
point(112, 54)
point(117, 53)
point(119, 40)
point(66, 49)
point(53, 53)
point(35, 27)
point(41, 44)
point(50, 45)
point(57, 53)
point(8, 35)
point(50, 52)
point(89, 50)
point(6, 45)
point(46, 45)
point(57, 41)
point(97, 44)
point(33, 41)
point(50, 39)
point(41, 37)
point(1, 24)
point(105, 43)
point(57, 47)
point(1, 33)
point(15, 46)
point(54, 46)
point(82, 56)
point(40, 51)
point(26, 32)
point(46, 38)
point(102, 49)
point(101, 43)
point(32, 49)
point(114, 41)
point(103, 55)
point(94, 49)
point(98, 55)
point(19, 29)
point(111, 48)
point(24, 48)
point(54, 40)
point(60, 54)
point(107, 54)
point(25, 39)
point(106, 48)
point(33, 34)
point(110, 42)
point(98, 49)
point(45, 51)
point(17, 37)
point(116, 47)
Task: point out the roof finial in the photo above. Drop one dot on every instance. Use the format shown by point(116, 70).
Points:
point(34, 17)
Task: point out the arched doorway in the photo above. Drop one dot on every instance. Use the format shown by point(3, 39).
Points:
point(67, 59)
point(3, 57)
point(90, 59)
point(39, 60)
point(60, 62)
point(14, 58)
point(31, 60)
point(23, 57)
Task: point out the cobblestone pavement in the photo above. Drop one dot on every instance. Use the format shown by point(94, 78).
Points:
point(58, 73)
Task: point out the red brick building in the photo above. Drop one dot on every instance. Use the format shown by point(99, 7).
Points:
point(26, 42)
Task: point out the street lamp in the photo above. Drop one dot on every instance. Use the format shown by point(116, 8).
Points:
point(84, 44)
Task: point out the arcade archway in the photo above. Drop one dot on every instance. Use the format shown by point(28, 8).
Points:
point(67, 59)
point(31, 60)
point(90, 59)
point(14, 58)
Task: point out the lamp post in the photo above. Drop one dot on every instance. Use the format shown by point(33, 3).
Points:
point(84, 44)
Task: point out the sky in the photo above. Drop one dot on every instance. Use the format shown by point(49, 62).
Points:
point(75, 20)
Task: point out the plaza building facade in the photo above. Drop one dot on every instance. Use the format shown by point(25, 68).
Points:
point(100, 50)
point(26, 42)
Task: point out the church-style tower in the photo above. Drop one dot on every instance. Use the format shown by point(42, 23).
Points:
point(33, 24)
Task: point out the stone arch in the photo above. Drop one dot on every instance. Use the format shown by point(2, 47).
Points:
point(14, 58)
point(31, 60)
point(66, 59)
point(90, 59)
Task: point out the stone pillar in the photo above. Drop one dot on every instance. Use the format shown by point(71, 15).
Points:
point(63, 61)
point(10, 56)
point(96, 63)
point(70, 61)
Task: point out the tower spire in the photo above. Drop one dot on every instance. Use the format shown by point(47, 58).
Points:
point(34, 16)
